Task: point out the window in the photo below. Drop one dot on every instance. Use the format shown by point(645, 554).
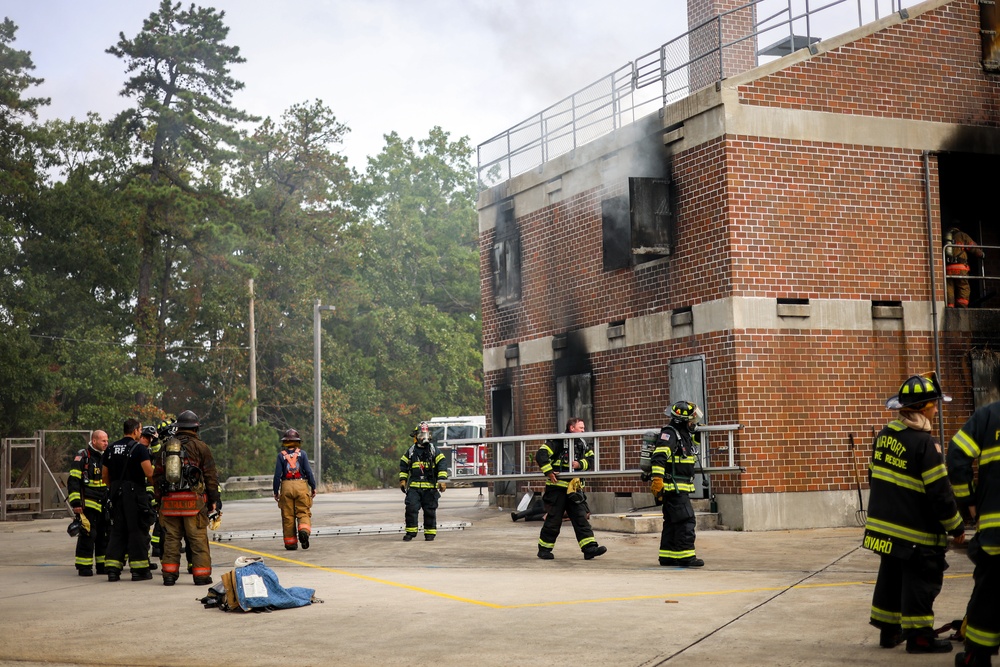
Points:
point(573, 399)
point(637, 227)
point(506, 257)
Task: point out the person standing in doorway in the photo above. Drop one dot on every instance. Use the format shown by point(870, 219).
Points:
point(959, 246)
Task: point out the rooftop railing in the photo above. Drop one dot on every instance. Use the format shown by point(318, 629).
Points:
point(717, 48)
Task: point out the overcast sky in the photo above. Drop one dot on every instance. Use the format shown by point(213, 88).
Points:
point(473, 67)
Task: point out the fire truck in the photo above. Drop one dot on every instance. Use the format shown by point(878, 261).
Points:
point(462, 459)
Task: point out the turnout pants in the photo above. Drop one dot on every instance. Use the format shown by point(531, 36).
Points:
point(295, 503)
point(906, 589)
point(193, 529)
point(130, 510)
point(558, 502)
point(417, 499)
point(677, 536)
point(983, 629)
point(91, 545)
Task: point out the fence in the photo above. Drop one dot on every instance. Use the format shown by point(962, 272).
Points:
point(710, 51)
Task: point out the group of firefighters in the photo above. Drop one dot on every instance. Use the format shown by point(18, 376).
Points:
point(167, 475)
point(918, 498)
point(153, 476)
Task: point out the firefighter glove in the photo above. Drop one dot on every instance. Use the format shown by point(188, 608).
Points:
point(402, 485)
point(656, 486)
point(441, 487)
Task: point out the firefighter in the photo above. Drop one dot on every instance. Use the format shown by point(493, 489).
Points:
point(187, 488)
point(979, 439)
point(958, 247)
point(150, 438)
point(672, 469)
point(554, 457)
point(911, 511)
point(126, 470)
point(422, 476)
point(294, 490)
point(86, 497)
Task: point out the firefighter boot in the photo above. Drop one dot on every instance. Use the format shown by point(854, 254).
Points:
point(203, 581)
point(926, 642)
point(114, 575)
point(304, 538)
point(545, 554)
point(690, 562)
point(429, 538)
point(409, 536)
point(84, 572)
point(169, 579)
point(890, 637)
point(975, 657)
point(142, 575)
point(593, 551)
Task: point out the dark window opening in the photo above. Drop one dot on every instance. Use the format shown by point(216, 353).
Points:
point(637, 228)
point(506, 257)
point(573, 399)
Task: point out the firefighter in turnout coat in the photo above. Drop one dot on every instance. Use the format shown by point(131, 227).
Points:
point(673, 463)
point(187, 485)
point(86, 496)
point(911, 511)
point(422, 476)
point(294, 490)
point(554, 459)
point(979, 439)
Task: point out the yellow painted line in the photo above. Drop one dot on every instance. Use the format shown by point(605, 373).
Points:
point(553, 603)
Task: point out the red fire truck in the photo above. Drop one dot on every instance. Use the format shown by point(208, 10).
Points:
point(465, 459)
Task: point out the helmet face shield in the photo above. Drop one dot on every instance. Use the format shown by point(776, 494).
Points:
point(685, 412)
point(423, 433)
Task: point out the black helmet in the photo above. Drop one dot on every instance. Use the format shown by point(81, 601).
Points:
point(167, 429)
point(73, 529)
point(291, 435)
point(684, 411)
point(187, 419)
point(151, 433)
point(917, 390)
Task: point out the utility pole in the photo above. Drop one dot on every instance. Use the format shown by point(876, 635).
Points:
point(253, 361)
point(318, 389)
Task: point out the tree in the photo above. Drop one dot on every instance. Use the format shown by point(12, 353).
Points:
point(183, 128)
point(301, 247)
point(24, 374)
point(413, 347)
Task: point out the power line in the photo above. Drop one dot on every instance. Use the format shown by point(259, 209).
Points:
point(121, 344)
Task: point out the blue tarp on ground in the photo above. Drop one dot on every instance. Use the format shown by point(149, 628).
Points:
point(257, 586)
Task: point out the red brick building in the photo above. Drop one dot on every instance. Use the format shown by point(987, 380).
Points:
point(769, 247)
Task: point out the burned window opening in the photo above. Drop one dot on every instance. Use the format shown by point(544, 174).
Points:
point(637, 227)
point(506, 257)
point(574, 399)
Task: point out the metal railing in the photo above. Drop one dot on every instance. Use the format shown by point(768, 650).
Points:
point(509, 455)
point(681, 66)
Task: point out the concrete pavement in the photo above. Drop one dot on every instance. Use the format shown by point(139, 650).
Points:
point(473, 597)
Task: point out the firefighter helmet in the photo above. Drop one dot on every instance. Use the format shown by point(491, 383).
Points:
point(291, 435)
point(73, 529)
point(151, 433)
point(167, 429)
point(684, 411)
point(187, 419)
point(917, 390)
point(422, 433)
